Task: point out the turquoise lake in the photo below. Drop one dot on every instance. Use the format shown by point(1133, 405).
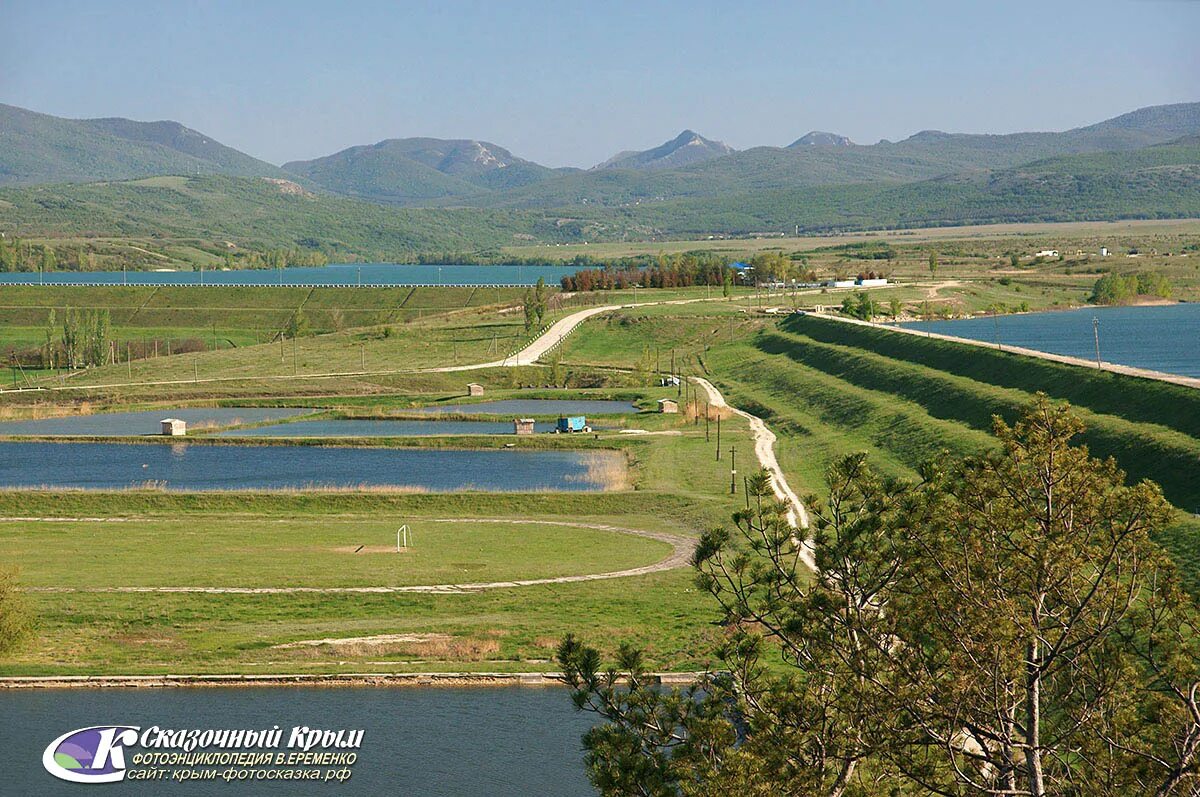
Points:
point(341, 274)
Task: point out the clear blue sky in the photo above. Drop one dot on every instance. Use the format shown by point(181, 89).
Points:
point(570, 83)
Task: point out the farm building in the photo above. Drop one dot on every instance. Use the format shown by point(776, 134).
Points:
point(173, 427)
point(474, 389)
point(523, 425)
point(668, 405)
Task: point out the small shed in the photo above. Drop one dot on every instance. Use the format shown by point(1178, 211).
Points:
point(668, 406)
point(474, 389)
point(572, 423)
point(523, 425)
point(173, 427)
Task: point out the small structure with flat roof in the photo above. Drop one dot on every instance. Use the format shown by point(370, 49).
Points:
point(523, 425)
point(173, 427)
point(668, 405)
point(474, 389)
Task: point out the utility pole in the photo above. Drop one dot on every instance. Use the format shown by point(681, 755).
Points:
point(706, 421)
point(1096, 334)
point(718, 435)
point(295, 349)
point(733, 470)
point(362, 350)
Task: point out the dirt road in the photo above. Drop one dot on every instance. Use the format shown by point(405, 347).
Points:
point(764, 452)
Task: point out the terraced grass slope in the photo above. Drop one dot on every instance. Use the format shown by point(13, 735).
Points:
point(829, 389)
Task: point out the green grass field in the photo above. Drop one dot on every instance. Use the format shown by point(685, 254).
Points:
point(826, 389)
point(232, 551)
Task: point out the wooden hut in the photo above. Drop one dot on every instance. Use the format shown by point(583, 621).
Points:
point(523, 425)
point(474, 389)
point(668, 405)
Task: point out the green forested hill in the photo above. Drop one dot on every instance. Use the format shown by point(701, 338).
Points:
point(38, 148)
point(260, 214)
point(410, 171)
point(255, 213)
point(1155, 182)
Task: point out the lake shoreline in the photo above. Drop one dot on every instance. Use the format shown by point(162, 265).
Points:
point(331, 680)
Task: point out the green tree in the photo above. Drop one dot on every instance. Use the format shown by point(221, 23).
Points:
point(1014, 260)
point(1004, 626)
point(49, 261)
point(540, 294)
point(71, 340)
point(48, 345)
point(298, 324)
point(933, 264)
point(895, 308)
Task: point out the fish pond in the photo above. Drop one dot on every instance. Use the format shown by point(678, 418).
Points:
point(125, 424)
point(191, 466)
point(523, 407)
point(363, 427)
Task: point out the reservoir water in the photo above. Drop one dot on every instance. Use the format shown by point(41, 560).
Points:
point(184, 466)
point(1162, 338)
point(484, 742)
point(518, 407)
point(341, 274)
point(113, 424)
point(362, 427)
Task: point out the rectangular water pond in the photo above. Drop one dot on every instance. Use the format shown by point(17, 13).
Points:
point(184, 466)
point(440, 742)
point(362, 427)
point(522, 407)
point(116, 424)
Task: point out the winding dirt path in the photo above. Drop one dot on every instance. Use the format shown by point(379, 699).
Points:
point(764, 452)
point(680, 556)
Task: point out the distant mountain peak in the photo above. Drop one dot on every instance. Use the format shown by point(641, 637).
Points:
point(685, 149)
point(819, 138)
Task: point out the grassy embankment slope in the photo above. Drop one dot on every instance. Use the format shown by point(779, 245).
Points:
point(828, 389)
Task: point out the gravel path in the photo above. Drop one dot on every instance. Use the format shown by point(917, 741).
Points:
point(764, 452)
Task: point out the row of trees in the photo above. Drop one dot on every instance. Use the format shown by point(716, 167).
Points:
point(1124, 288)
point(86, 339)
point(1003, 626)
point(17, 255)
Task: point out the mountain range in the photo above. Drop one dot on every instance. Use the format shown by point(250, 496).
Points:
point(1143, 163)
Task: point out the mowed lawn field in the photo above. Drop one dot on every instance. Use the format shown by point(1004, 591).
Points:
point(200, 550)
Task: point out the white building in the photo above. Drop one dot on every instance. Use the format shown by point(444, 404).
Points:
point(173, 427)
